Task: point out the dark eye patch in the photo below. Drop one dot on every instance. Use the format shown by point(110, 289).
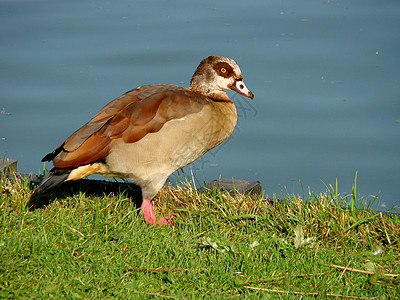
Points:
point(220, 65)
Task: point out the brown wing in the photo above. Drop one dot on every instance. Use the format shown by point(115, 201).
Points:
point(131, 116)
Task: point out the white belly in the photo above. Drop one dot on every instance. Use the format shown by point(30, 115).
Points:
point(152, 159)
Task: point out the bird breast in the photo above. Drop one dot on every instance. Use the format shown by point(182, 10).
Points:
point(178, 143)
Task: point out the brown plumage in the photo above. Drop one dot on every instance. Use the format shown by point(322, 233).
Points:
point(151, 131)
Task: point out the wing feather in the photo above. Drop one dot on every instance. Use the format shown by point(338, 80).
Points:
point(131, 117)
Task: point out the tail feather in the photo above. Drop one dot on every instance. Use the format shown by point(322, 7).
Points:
point(53, 178)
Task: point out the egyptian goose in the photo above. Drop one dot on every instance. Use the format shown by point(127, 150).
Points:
point(151, 131)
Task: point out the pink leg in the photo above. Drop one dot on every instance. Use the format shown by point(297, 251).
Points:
point(148, 214)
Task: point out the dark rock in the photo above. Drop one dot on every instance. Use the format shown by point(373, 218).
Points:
point(8, 166)
point(235, 186)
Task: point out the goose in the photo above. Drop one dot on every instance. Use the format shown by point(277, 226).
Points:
point(151, 131)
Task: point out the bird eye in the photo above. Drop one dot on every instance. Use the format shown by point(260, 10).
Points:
point(223, 70)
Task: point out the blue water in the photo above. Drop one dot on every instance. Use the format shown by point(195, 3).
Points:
point(325, 75)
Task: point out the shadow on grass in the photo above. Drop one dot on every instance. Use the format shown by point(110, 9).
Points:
point(89, 187)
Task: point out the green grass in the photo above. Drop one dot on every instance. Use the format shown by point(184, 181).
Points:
point(84, 245)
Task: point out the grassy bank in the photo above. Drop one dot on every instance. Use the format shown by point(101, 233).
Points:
point(84, 245)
